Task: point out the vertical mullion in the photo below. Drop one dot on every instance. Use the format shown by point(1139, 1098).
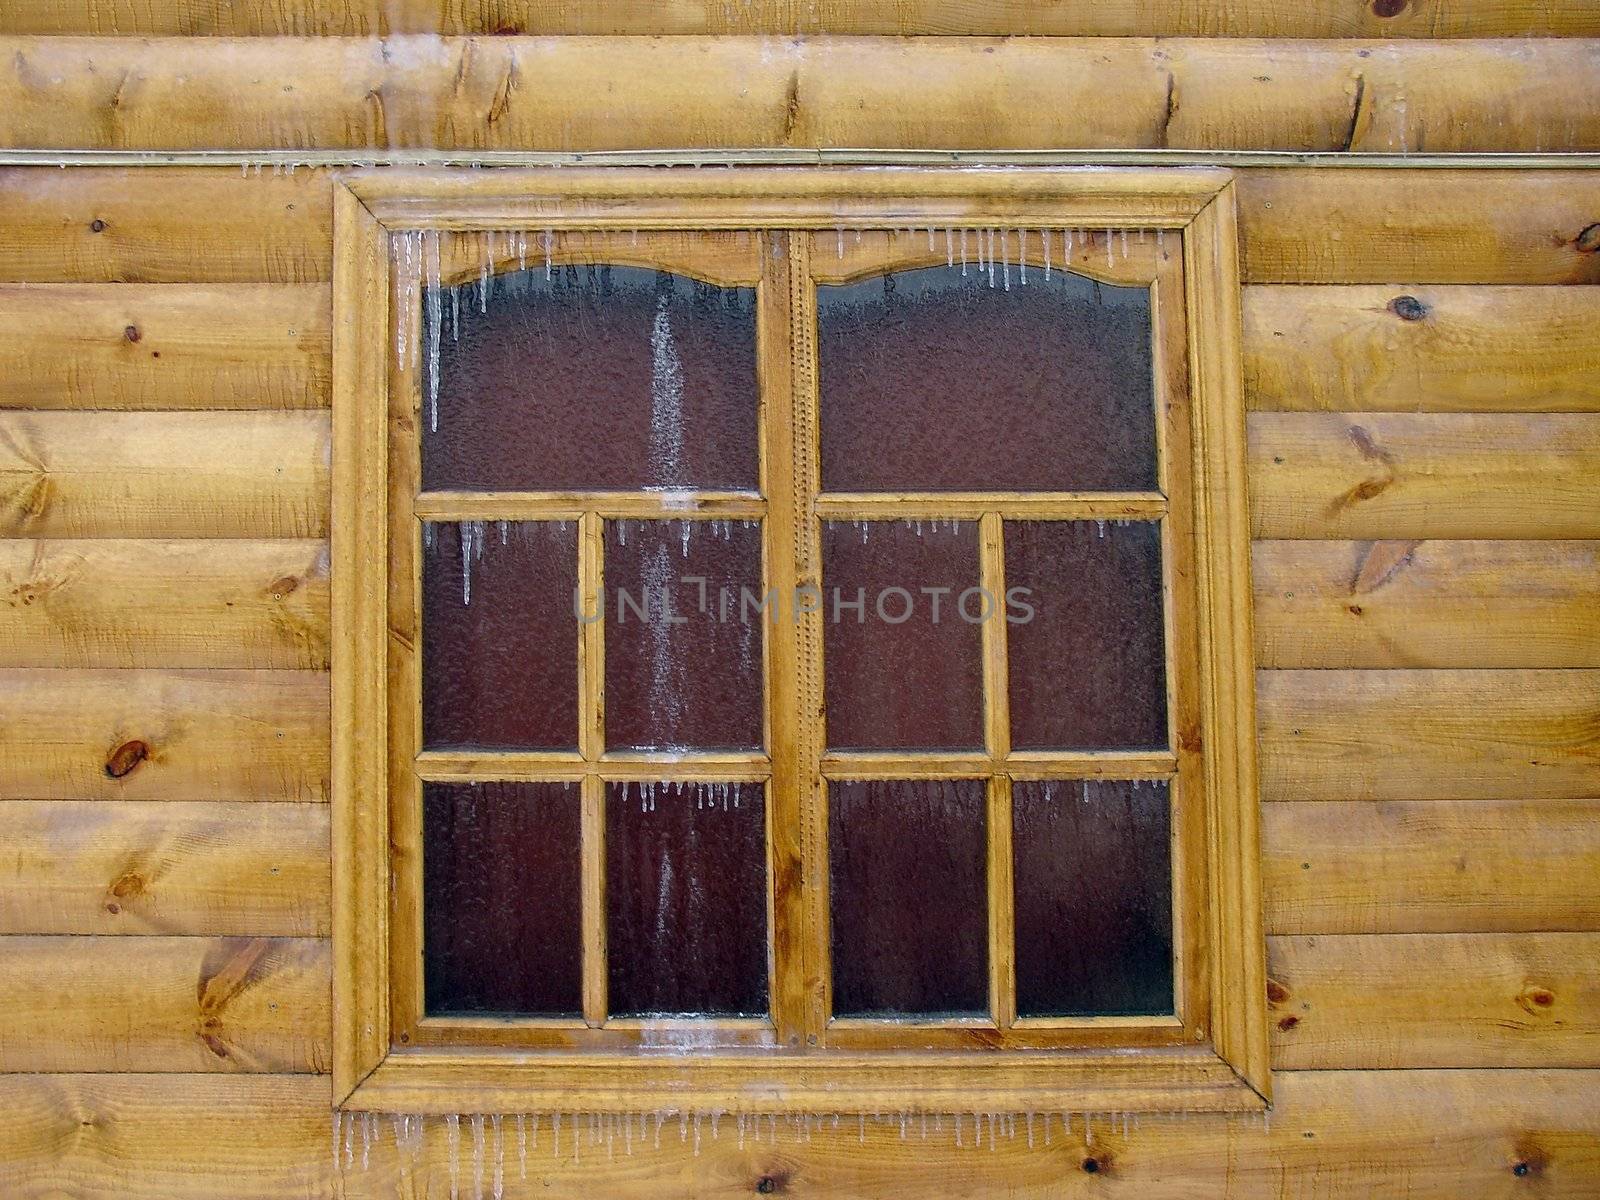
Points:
point(591, 744)
point(997, 741)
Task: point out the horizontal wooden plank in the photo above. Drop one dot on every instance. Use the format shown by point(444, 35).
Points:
point(164, 474)
point(115, 603)
point(1428, 735)
point(1435, 1000)
point(1113, 18)
point(595, 93)
point(150, 225)
point(164, 1004)
point(1423, 475)
point(1427, 604)
point(171, 346)
point(1431, 866)
point(1422, 348)
point(163, 735)
point(1346, 1135)
point(1369, 225)
point(135, 867)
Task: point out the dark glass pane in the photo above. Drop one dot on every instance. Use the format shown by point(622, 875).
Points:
point(686, 899)
point(1088, 670)
point(687, 672)
point(500, 897)
point(1093, 898)
point(934, 380)
point(908, 889)
point(904, 670)
point(596, 378)
point(499, 638)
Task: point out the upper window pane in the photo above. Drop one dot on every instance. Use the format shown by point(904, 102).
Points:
point(593, 378)
point(940, 379)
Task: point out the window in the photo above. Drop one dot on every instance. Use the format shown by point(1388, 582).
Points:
point(793, 643)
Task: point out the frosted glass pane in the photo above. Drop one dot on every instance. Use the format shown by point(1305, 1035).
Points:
point(500, 890)
point(1088, 671)
point(686, 899)
point(905, 670)
point(596, 378)
point(933, 379)
point(499, 639)
point(1093, 875)
point(907, 885)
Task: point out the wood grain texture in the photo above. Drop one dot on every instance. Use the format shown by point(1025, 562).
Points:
point(1427, 604)
point(1422, 349)
point(1431, 866)
point(595, 93)
point(149, 225)
point(164, 474)
point(116, 603)
point(164, 1004)
point(171, 346)
point(1435, 1000)
point(136, 867)
point(164, 735)
point(1426, 735)
point(1395, 476)
point(1304, 225)
point(1117, 18)
point(1351, 1135)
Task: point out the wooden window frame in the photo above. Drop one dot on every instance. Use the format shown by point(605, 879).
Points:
point(1213, 1056)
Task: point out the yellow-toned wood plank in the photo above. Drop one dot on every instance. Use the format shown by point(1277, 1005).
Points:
point(164, 346)
point(1426, 735)
point(115, 603)
point(1409, 475)
point(1435, 1000)
point(1302, 225)
point(137, 867)
point(164, 474)
point(1427, 604)
point(1422, 348)
point(970, 506)
point(148, 225)
point(164, 1004)
point(1431, 866)
point(163, 735)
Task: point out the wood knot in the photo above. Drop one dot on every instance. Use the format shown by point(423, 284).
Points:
point(1533, 998)
point(766, 1185)
point(126, 757)
point(127, 885)
point(131, 333)
point(1388, 8)
point(1091, 1165)
point(1589, 240)
point(1408, 308)
point(1288, 1022)
point(97, 226)
point(279, 588)
point(1276, 992)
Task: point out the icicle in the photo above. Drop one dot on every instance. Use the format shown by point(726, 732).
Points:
point(989, 255)
point(338, 1131)
point(476, 1121)
point(368, 1127)
point(452, 1129)
point(433, 305)
point(963, 253)
point(522, 250)
point(549, 251)
point(1044, 235)
point(839, 231)
point(485, 272)
point(686, 525)
point(1161, 242)
point(499, 1158)
point(466, 531)
point(1122, 235)
point(1005, 260)
point(1066, 249)
point(555, 1134)
point(522, 1142)
point(949, 248)
point(1022, 256)
point(1109, 260)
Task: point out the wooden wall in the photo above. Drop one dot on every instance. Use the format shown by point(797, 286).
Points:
point(1424, 380)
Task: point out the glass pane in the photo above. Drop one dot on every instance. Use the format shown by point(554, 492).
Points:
point(686, 899)
point(934, 379)
point(683, 631)
point(907, 880)
point(499, 639)
point(595, 378)
point(903, 670)
point(1093, 898)
point(1088, 670)
point(500, 891)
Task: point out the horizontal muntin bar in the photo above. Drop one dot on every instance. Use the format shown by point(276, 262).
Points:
point(670, 505)
point(969, 506)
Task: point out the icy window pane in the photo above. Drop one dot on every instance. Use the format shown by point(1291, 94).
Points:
point(907, 881)
point(1088, 671)
point(933, 379)
point(499, 639)
point(683, 634)
point(686, 899)
point(1093, 874)
point(904, 670)
point(501, 928)
point(596, 378)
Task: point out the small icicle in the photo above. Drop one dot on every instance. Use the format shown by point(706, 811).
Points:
point(499, 1158)
point(549, 251)
point(433, 305)
point(1044, 235)
point(477, 1156)
point(949, 248)
point(1005, 260)
point(1110, 261)
point(555, 1134)
point(1022, 257)
point(989, 254)
point(338, 1131)
point(839, 231)
point(368, 1128)
point(522, 1142)
point(963, 253)
point(1122, 235)
point(452, 1129)
point(1066, 249)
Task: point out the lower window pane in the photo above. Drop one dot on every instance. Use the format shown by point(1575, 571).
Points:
point(501, 926)
point(1093, 875)
point(686, 899)
point(908, 889)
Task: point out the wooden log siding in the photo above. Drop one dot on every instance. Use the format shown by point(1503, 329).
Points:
point(586, 93)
